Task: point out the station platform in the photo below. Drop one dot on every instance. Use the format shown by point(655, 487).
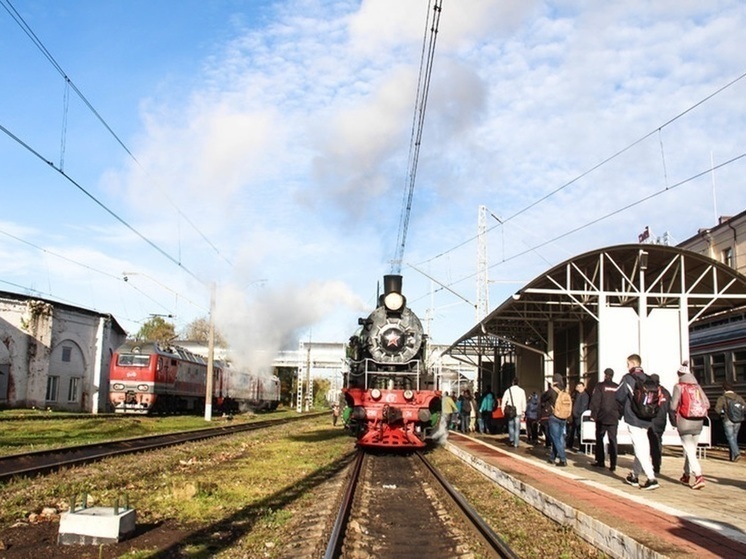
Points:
point(624, 521)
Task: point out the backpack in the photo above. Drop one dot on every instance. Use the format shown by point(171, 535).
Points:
point(562, 405)
point(646, 397)
point(692, 405)
point(734, 409)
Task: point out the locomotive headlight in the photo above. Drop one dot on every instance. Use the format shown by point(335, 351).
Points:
point(394, 301)
point(408, 395)
point(375, 394)
point(118, 386)
point(142, 387)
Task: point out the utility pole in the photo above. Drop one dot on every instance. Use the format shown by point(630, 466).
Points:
point(483, 291)
point(210, 357)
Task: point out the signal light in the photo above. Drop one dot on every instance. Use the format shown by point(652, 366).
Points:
point(375, 394)
point(408, 395)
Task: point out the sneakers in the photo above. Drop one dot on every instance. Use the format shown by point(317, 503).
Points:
point(562, 463)
point(651, 484)
point(597, 465)
point(699, 482)
point(736, 458)
point(632, 480)
point(684, 479)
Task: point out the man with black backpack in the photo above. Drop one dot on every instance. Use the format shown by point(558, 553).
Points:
point(638, 394)
point(730, 406)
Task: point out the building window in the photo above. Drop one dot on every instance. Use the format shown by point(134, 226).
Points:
point(728, 257)
point(739, 364)
point(72, 390)
point(53, 386)
point(66, 354)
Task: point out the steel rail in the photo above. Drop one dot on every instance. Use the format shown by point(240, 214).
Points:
point(334, 547)
point(489, 536)
point(45, 461)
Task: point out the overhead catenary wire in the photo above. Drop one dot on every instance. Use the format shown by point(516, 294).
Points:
point(69, 84)
point(599, 219)
point(595, 167)
point(423, 87)
point(100, 203)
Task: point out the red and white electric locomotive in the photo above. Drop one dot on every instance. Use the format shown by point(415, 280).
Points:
point(145, 377)
point(390, 391)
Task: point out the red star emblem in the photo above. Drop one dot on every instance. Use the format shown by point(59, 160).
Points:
point(393, 339)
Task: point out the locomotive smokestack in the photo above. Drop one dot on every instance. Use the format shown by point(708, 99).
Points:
point(392, 283)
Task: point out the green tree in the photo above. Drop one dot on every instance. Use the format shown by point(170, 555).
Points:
point(321, 387)
point(156, 329)
point(198, 330)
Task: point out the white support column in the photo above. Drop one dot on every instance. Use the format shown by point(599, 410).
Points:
point(549, 357)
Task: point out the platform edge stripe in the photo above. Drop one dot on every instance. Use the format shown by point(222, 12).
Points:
point(608, 539)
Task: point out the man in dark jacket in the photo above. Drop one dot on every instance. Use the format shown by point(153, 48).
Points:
point(606, 411)
point(657, 426)
point(637, 426)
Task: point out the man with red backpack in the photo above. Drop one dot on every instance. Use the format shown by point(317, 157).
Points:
point(689, 405)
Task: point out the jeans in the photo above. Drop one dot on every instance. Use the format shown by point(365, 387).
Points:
point(641, 446)
point(731, 433)
point(514, 430)
point(691, 463)
point(464, 426)
point(557, 436)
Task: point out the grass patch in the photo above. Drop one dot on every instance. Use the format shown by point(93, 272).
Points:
point(18, 435)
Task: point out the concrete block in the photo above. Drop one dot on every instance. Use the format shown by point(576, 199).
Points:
point(96, 525)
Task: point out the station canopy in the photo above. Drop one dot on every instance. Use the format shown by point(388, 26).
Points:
point(613, 276)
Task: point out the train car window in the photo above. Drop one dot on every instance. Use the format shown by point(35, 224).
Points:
point(698, 369)
point(159, 366)
point(718, 367)
point(739, 364)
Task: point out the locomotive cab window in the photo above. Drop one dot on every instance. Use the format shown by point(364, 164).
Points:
point(133, 360)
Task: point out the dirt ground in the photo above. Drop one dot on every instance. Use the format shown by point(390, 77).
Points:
point(39, 541)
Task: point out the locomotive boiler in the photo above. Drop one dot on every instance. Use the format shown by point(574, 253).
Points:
point(390, 394)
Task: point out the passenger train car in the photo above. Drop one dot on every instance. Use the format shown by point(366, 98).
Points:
point(390, 394)
point(145, 377)
point(717, 349)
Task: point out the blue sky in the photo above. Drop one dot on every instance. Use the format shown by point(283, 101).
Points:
point(269, 146)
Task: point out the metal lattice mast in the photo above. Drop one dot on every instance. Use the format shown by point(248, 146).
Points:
point(483, 292)
point(301, 376)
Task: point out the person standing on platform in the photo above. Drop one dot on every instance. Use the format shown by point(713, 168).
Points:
point(579, 405)
point(532, 418)
point(687, 401)
point(730, 407)
point(486, 407)
point(467, 403)
point(513, 405)
point(545, 410)
point(658, 426)
point(637, 426)
point(605, 412)
point(449, 410)
point(557, 425)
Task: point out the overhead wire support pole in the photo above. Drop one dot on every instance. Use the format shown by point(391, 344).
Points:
point(423, 87)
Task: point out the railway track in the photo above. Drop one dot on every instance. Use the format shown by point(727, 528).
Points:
point(400, 506)
point(45, 461)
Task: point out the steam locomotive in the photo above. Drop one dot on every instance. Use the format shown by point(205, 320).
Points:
point(145, 377)
point(390, 394)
